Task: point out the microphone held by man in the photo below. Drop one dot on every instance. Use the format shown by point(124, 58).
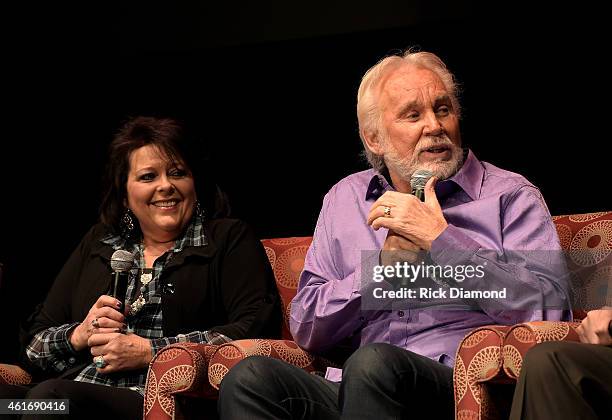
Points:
point(418, 181)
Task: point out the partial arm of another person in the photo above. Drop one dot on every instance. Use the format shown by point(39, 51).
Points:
point(596, 328)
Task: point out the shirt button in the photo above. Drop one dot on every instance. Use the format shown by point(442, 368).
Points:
point(71, 360)
point(400, 313)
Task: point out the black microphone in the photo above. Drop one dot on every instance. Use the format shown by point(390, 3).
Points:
point(417, 182)
point(121, 262)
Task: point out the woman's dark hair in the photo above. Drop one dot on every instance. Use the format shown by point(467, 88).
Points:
point(171, 137)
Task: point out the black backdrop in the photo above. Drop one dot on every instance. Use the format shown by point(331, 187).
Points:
point(272, 90)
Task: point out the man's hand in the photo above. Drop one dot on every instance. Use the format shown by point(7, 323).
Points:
point(398, 249)
point(419, 222)
point(595, 328)
point(121, 351)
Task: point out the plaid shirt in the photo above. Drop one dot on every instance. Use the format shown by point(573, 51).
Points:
point(51, 348)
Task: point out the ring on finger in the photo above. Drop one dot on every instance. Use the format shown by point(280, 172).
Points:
point(387, 211)
point(95, 323)
point(100, 362)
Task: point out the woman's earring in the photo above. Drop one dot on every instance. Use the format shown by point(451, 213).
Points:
point(199, 211)
point(127, 223)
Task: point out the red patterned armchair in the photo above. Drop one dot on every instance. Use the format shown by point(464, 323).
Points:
point(489, 359)
point(181, 373)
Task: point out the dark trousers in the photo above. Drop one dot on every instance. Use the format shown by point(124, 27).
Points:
point(564, 380)
point(379, 381)
point(87, 401)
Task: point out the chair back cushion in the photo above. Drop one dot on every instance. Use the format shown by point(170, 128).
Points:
point(287, 256)
point(587, 241)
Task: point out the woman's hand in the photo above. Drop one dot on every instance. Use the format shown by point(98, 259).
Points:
point(121, 351)
point(103, 317)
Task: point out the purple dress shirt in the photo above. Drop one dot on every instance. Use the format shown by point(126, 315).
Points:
point(488, 210)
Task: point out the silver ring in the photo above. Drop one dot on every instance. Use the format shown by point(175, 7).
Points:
point(387, 211)
point(95, 323)
point(100, 362)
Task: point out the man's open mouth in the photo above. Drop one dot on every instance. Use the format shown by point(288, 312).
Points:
point(437, 149)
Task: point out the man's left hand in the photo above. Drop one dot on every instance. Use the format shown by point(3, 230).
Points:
point(121, 351)
point(419, 222)
point(594, 329)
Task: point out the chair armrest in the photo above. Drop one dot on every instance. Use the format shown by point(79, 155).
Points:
point(478, 362)
point(522, 337)
point(14, 375)
point(177, 369)
point(229, 354)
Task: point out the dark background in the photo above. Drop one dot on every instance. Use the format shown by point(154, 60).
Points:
point(271, 87)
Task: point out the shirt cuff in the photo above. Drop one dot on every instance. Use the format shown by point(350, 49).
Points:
point(202, 337)
point(453, 247)
point(64, 343)
point(159, 343)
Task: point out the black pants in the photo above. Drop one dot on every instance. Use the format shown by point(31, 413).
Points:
point(563, 380)
point(379, 381)
point(87, 401)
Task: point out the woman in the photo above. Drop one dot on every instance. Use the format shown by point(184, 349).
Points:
point(194, 278)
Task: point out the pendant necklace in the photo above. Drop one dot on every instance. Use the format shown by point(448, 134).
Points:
point(146, 275)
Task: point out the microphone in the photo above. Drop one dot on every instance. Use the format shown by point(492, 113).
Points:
point(121, 262)
point(417, 182)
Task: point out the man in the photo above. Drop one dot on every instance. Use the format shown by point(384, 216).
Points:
point(409, 120)
point(567, 380)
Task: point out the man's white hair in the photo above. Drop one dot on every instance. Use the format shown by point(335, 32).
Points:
point(368, 111)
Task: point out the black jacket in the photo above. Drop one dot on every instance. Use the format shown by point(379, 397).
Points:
point(226, 286)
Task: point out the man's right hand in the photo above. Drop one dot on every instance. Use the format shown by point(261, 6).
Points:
point(595, 328)
point(109, 320)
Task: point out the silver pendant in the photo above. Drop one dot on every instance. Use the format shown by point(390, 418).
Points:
point(145, 278)
point(137, 305)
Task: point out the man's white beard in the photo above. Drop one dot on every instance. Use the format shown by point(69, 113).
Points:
point(405, 167)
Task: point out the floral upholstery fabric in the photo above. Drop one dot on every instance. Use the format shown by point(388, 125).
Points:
point(522, 337)
point(587, 241)
point(229, 354)
point(177, 369)
point(14, 375)
point(287, 256)
point(479, 360)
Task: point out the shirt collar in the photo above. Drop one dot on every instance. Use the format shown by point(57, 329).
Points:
point(378, 185)
point(193, 236)
point(468, 178)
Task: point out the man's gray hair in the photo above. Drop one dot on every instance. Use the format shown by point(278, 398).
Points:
point(368, 112)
